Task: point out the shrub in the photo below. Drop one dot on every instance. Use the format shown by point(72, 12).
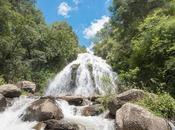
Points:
point(104, 101)
point(162, 105)
point(2, 81)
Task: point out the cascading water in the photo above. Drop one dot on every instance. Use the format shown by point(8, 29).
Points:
point(89, 75)
point(85, 123)
point(11, 118)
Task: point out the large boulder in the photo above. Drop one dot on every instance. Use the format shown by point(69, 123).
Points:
point(27, 86)
point(134, 117)
point(92, 110)
point(60, 125)
point(42, 110)
point(10, 91)
point(121, 99)
point(3, 103)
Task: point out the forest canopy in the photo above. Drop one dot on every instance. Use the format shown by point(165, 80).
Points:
point(29, 48)
point(139, 43)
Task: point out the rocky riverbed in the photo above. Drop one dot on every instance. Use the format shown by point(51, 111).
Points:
point(77, 112)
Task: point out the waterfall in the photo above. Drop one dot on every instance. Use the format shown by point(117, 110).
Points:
point(88, 75)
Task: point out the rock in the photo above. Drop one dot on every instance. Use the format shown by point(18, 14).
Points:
point(173, 122)
point(39, 126)
point(109, 116)
point(10, 91)
point(172, 125)
point(73, 100)
point(42, 110)
point(121, 99)
point(92, 110)
point(60, 125)
point(134, 117)
point(3, 103)
point(27, 86)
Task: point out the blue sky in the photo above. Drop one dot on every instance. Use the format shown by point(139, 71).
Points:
point(85, 16)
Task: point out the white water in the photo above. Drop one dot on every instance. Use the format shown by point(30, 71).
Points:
point(85, 123)
point(85, 85)
point(11, 118)
point(100, 80)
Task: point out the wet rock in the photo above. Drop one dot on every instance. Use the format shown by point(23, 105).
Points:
point(121, 99)
point(60, 125)
point(42, 110)
point(109, 116)
point(3, 103)
point(92, 110)
point(39, 126)
point(27, 86)
point(73, 100)
point(172, 125)
point(10, 90)
point(134, 117)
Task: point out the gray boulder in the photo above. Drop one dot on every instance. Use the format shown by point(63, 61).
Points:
point(27, 86)
point(60, 125)
point(42, 110)
point(92, 110)
point(134, 117)
point(121, 99)
point(10, 91)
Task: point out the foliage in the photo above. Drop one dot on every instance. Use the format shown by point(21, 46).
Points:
point(104, 101)
point(30, 49)
point(2, 81)
point(140, 44)
point(106, 84)
point(109, 93)
point(162, 105)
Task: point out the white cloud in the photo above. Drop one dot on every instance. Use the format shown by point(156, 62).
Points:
point(64, 9)
point(95, 26)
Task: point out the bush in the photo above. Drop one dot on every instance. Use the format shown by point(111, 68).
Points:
point(162, 105)
point(2, 81)
point(104, 101)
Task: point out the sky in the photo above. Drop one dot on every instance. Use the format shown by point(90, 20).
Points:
point(86, 17)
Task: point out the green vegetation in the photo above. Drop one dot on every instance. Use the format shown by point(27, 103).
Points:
point(162, 105)
point(106, 84)
point(109, 93)
point(104, 101)
point(139, 43)
point(30, 49)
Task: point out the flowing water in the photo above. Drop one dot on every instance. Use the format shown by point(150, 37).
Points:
point(85, 123)
point(89, 75)
point(10, 119)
